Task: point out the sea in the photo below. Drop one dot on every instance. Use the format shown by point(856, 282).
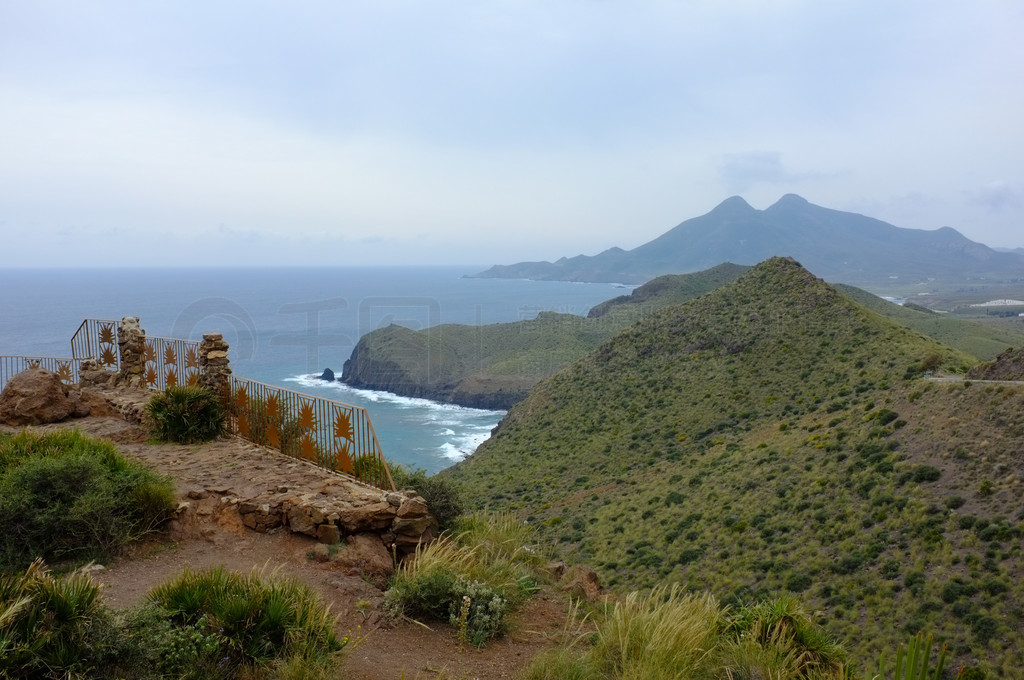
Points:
point(286, 325)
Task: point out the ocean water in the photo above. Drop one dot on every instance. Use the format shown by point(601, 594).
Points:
point(286, 325)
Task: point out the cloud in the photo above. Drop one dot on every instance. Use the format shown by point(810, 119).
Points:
point(741, 172)
point(996, 197)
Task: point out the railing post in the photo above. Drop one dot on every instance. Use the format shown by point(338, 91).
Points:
point(131, 341)
point(213, 365)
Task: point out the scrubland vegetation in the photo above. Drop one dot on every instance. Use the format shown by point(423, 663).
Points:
point(774, 437)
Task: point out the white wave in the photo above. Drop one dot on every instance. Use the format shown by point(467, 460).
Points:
point(395, 399)
point(452, 452)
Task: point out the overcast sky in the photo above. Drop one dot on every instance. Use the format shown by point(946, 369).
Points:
point(470, 131)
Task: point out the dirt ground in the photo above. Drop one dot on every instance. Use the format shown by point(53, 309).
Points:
point(382, 652)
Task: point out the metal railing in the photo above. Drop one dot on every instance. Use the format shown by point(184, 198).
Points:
point(97, 338)
point(66, 368)
point(332, 435)
point(170, 361)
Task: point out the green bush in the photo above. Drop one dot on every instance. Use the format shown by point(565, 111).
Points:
point(186, 414)
point(256, 619)
point(439, 492)
point(65, 496)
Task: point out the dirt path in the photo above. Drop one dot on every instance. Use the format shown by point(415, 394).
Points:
point(206, 472)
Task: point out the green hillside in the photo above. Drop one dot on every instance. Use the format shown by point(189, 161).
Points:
point(775, 436)
point(979, 339)
point(496, 365)
point(670, 289)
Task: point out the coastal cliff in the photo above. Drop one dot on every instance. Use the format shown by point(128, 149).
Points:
point(421, 364)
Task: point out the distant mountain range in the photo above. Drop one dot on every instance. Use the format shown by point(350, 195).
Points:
point(838, 246)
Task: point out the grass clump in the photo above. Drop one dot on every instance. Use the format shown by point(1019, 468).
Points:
point(66, 496)
point(254, 619)
point(668, 634)
point(473, 580)
point(186, 414)
point(207, 625)
point(46, 623)
point(779, 637)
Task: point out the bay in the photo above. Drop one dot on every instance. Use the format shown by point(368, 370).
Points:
point(286, 325)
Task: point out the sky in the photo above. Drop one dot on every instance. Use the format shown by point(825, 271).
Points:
point(334, 132)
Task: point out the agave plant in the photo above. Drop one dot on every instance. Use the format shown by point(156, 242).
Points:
point(912, 661)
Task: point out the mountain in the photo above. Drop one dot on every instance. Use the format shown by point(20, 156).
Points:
point(839, 246)
point(774, 436)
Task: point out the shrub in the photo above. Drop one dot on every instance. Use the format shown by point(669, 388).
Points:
point(925, 473)
point(63, 495)
point(798, 583)
point(255, 618)
point(186, 414)
point(370, 468)
point(489, 563)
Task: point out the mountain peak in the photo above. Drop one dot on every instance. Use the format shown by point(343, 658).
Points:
point(790, 201)
point(733, 205)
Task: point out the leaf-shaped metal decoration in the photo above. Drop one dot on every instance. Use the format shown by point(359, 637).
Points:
point(108, 358)
point(273, 409)
point(308, 448)
point(148, 353)
point(151, 376)
point(171, 379)
point(342, 459)
point(343, 426)
point(64, 371)
point(307, 415)
point(106, 334)
point(169, 357)
point(191, 358)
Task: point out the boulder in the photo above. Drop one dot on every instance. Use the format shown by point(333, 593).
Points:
point(365, 555)
point(582, 583)
point(327, 375)
point(36, 397)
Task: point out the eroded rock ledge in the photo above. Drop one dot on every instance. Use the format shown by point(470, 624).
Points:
point(265, 490)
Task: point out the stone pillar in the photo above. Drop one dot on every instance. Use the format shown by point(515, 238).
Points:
point(131, 341)
point(213, 365)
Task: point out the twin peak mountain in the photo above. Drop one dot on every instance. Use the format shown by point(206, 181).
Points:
point(836, 245)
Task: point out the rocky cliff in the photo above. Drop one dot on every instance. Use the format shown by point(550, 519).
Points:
point(422, 364)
